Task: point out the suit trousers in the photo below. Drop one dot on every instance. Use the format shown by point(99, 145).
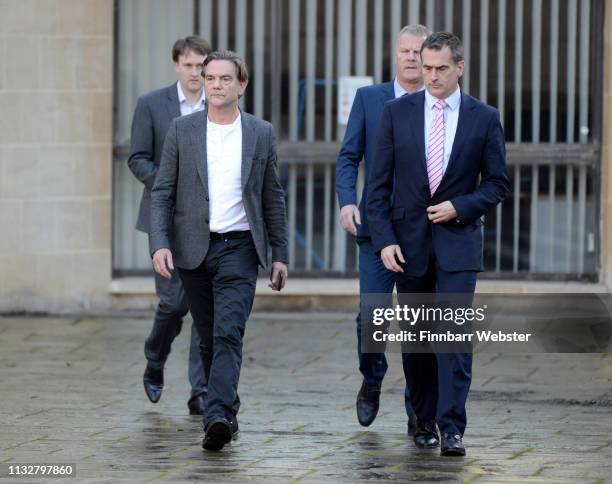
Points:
point(374, 278)
point(220, 293)
point(439, 382)
point(171, 309)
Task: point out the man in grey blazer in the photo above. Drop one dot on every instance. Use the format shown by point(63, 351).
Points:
point(154, 113)
point(216, 207)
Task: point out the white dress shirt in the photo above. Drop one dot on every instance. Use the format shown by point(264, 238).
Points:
point(451, 118)
point(187, 108)
point(399, 90)
point(224, 162)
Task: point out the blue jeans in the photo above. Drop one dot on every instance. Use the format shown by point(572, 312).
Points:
point(374, 278)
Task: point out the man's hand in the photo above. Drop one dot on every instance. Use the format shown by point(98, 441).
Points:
point(443, 212)
point(162, 262)
point(349, 216)
point(388, 255)
point(278, 276)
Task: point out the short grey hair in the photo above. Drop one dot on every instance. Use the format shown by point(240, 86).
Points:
point(417, 30)
point(242, 73)
point(439, 40)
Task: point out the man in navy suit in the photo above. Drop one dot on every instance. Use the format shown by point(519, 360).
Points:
point(443, 152)
point(358, 144)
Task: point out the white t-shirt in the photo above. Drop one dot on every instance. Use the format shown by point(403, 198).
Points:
point(224, 162)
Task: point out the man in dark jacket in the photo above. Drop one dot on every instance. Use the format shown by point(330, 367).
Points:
point(154, 113)
point(217, 206)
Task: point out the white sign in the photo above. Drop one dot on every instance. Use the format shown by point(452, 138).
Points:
point(347, 88)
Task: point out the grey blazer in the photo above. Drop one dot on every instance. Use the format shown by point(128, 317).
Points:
point(179, 199)
point(152, 118)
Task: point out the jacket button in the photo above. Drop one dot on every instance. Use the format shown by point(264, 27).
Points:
point(206, 220)
point(207, 198)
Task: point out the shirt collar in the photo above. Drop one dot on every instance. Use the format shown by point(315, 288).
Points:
point(452, 101)
point(399, 90)
point(183, 99)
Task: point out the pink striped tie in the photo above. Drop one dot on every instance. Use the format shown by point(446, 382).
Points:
point(435, 149)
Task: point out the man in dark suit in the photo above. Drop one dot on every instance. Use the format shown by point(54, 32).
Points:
point(154, 113)
point(216, 207)
point(444, 153)
point(358, 144)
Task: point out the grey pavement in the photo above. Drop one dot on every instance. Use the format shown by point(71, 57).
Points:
point(71, 392)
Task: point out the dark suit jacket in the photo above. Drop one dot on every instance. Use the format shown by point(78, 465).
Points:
point(358, 144)
point(478, 151)
point(179, 199)
point(152, 117)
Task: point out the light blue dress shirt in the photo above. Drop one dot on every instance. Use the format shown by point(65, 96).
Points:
point(187, 108)
point(399, 90)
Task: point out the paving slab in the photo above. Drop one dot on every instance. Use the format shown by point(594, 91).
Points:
point(72, 393)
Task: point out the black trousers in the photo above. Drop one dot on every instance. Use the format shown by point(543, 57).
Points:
point(439, 382)
point(220, 294)
point(171, 309)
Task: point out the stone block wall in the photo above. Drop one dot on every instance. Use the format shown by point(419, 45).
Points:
point(56, 71)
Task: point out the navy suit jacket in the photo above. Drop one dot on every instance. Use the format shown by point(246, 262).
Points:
point(478, 152)
point(358, 144)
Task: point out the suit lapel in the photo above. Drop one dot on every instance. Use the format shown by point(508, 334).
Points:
point(249, 141)
point(416, 113)
point(199, 126)
point(417, 102)
point(387, 92)
point(172, 102)
point(464, 127)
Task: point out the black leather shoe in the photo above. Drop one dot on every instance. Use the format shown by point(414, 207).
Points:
point(153, 383)
point(235, 429)
point(452, 445)
point(426, 435)
point(412, 424)
point(367, 404)
point(196, 405)
point(218, 433)
point(234, 425)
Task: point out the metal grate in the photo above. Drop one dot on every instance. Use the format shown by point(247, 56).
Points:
point(536, 61)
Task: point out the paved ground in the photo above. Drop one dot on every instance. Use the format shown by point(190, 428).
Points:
point(71, 392)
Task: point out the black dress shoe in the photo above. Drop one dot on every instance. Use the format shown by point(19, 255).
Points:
point(218, 433)
point(452, 445)
point(367, 404)
point(234, 425)
point(426, 435)
point(196, 405)
point(412, 424)
point(153, 383)
point(235, 429)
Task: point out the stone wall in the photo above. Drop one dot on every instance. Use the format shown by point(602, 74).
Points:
point(55, 153)
point(606, 158)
